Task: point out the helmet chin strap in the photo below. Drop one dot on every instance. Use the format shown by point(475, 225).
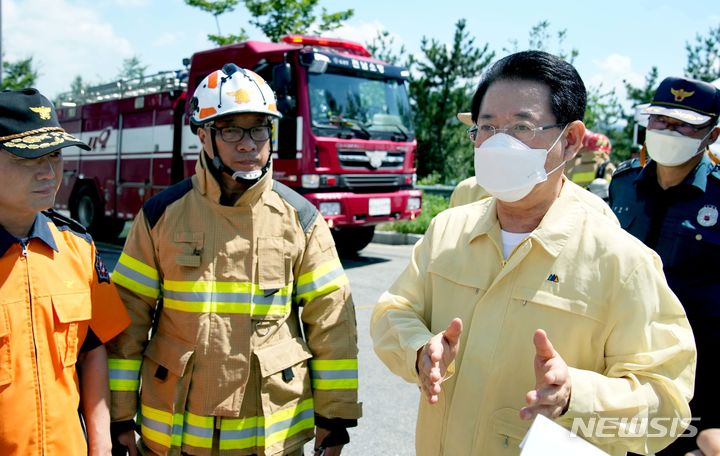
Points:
point(242, 177)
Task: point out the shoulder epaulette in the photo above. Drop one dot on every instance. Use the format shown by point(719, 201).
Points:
point(306, 211)
point(716, 172)
point(155, 207)
point(626, 166)
point(64, 223)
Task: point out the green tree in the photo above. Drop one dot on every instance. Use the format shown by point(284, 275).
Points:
point(540, 37)
point(19, 74)
point(440, 86)
point(76, 94)
point(635, 95)
point(605, 114)
point(382, 47)
point(132, 68)
point(703, 58)
point(218, 8)
point(281, 17)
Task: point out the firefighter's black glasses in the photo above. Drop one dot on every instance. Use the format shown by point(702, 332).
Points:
point(236, 134)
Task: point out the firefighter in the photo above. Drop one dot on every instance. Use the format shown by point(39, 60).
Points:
point(219, 265)
point(57, 304)
point(465, 320)
point(671, 204)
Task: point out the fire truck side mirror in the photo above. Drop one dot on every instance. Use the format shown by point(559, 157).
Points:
point(285, 104)
point(282, 78)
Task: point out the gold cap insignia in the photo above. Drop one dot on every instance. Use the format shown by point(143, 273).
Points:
point(681, 94)
point(44, 111)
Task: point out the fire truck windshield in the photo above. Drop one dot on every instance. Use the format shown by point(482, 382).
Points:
point(347, 105)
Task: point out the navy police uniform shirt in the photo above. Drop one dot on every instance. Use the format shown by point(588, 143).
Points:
point(682, 225)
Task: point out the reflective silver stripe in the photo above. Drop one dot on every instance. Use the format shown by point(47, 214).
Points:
point(200, 296)
point(118, 374)
point(198, 431)
point(320, 281)
point(334, 374)
point(290, 422)
point(242, 434)
point(157, 425)
point(137, 276)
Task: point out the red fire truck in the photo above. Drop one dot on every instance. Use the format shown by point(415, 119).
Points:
point(345, 141)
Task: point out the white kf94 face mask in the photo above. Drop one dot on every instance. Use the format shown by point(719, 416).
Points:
point(670, 148)
point(508, 169)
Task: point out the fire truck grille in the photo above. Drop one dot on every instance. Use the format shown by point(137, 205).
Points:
point(370, 159)
point(371, 181)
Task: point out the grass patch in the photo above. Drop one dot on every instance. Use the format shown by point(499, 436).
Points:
point(431, 206)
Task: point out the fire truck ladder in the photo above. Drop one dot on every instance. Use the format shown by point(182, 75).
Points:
point(124, 88)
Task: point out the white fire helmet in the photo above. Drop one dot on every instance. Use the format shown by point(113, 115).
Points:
point(231, 90)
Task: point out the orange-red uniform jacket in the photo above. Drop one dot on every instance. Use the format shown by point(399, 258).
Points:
point(54, 288)
point(232, 358)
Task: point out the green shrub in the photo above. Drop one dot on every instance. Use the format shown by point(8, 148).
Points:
point(431, 206)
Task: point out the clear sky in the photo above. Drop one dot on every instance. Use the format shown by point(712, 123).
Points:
point(616, 39)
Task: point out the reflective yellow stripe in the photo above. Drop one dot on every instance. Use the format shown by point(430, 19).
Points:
point(155, 436)
point(124, 374)
point(193, 440)
point(348, 383)
point(226, 297)
point(320, 271)
point(139, 266)
point(333, 364)
point(151, 421)
point(326, 278)
point(124, 364)
point(136, 276)
point(173, 430)
point(584, 177)
point(119, 279)
point(124, 385)
point(209, 286)
point(157, 415)
point(282, 434)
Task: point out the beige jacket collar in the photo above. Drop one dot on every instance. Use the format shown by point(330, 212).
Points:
point(259, 192)
point(559, 223)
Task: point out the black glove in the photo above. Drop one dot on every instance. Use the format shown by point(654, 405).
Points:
point(117, 428)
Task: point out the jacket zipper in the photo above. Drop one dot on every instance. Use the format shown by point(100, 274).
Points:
point(41, 425)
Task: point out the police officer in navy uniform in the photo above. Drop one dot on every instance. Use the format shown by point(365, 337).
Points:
point(672, 205)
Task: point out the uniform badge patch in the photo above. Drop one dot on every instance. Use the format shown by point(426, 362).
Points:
point(707, 215)
point(101, 269)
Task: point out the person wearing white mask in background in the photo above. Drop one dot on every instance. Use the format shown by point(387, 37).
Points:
point(531, 302)
point(671, 205)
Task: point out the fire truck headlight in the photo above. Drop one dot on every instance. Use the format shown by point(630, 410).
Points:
point(413, 204)
point(310, 181)
point(330, 208)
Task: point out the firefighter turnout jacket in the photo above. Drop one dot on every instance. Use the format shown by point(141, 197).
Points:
point(54, 288)
point(233, 359)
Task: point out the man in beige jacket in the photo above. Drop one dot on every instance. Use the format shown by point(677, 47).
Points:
point(531, 302)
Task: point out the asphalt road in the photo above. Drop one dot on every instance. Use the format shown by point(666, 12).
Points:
point(389, 404)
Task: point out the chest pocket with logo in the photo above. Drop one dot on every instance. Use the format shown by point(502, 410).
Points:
point(71, 310)
point(5, 353)
point(696, 250)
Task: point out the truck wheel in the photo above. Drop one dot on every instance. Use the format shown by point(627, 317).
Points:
point(349, 241)
point(89, 211)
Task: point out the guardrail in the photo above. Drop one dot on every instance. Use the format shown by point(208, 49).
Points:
point(443, 190)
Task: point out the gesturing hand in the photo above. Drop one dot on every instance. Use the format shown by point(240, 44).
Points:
point(434, 358)
point(551, 395)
